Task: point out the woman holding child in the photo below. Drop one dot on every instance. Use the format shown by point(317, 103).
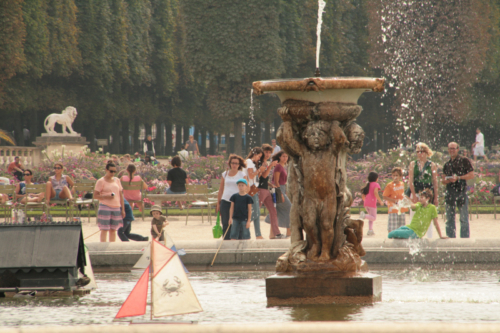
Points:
point(228, 187)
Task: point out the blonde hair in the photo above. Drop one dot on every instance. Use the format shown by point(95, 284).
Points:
point(425, 147)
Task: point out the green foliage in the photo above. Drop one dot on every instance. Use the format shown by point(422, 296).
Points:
point(12, 33)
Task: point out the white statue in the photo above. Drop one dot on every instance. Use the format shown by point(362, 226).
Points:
point(65, 119)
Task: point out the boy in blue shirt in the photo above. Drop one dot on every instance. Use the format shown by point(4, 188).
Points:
point(124, 232)
point(240, 213)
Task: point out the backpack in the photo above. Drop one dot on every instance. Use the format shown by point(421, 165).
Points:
point(496, 190)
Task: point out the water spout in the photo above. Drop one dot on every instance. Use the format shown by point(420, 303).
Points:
point(321, 7)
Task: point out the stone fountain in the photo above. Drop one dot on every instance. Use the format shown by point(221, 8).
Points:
point(323, 264)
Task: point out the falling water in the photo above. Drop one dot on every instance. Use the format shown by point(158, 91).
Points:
point(251, 123)
point(321, 7)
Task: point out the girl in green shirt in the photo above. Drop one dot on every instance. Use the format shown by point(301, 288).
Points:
point(425, 212)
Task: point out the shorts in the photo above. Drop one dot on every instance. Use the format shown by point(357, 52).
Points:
point(479, 151)
point(169, 191)
point(403, 233)
point(109, 218)
point(395, 221)
point(57, 195)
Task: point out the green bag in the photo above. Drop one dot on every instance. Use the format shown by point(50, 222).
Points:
point(217, 228)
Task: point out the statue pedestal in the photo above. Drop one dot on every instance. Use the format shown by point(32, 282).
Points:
point(323, 288)
point(53, 143)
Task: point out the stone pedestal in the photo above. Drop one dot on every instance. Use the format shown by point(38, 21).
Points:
point(323, 288)
point(53, 144)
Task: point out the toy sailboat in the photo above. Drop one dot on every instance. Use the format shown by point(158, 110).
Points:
point(171, 292)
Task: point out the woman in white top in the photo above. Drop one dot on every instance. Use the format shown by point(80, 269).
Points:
point(227, 188)
point(253, 172)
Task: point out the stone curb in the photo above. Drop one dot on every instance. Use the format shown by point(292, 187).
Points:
point(262, 254)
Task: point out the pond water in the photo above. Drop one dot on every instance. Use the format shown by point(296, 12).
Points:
point(235, 297)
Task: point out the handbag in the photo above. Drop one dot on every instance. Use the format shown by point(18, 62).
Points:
point(279, 195)
point(217, 228)
point(253, 190)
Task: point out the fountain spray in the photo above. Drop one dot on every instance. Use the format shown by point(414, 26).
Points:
point(321, 7)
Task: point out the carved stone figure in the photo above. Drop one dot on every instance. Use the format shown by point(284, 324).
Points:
point(318, 138)
point(65, 119)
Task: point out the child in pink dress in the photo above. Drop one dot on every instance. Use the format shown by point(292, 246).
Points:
point(370, 197)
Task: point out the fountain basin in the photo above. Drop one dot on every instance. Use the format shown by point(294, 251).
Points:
point(327, 288)
point(319, 89)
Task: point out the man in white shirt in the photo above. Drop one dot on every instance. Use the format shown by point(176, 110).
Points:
point(276, 148)
point(478, 146)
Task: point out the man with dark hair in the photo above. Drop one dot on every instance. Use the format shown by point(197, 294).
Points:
point(16, 168)
point(455, 174)
point(149, 146)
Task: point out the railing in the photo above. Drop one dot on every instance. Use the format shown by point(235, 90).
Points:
point(28, 155)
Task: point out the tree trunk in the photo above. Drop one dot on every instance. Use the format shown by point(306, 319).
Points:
point(203, 146)
point(169, 141)
point(196, 135)
point(238, 134)
point(160, 138)
point(258, 132)
point(185, 135)
point(135, 140)
point(277, 123)
point(227, 136)
point(219, 141)
point(18, 128)
point(125, 136)
point(33, 126)
point(114, 147)
point(267, 132)
point(211, 149)
point(178, 139)
point(147, 130)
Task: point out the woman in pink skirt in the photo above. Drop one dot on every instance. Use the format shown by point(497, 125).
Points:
point(108, 190)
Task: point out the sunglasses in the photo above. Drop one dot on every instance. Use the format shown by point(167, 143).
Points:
point(27, 174)
point(420, 151)
point(57, 168)
point(112, 171)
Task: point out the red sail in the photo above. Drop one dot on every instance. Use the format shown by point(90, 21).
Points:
point(135, 305)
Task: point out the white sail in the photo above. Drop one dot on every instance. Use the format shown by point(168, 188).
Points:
point(172, 292)
point(144, 260)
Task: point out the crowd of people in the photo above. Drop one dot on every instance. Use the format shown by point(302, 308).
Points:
point(422, 196)
point(260, 180)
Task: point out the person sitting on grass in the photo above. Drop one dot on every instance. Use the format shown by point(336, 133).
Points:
point(425, 212)
point(158, 223)
point(240, 213)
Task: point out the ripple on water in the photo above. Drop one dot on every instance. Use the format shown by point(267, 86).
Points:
point(236, 297)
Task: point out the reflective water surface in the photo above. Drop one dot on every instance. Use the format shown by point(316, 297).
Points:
point(230, 297)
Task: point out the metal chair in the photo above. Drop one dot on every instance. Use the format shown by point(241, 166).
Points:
point(9, 204)
point(198, 189)
point(35, 189)
point(67, 204)
point(83, 188)
point(134, 186)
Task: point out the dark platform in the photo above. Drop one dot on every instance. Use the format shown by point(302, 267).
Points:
point(38, 255)
point(323, 288)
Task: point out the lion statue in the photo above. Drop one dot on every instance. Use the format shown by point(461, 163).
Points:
point(65, 119)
